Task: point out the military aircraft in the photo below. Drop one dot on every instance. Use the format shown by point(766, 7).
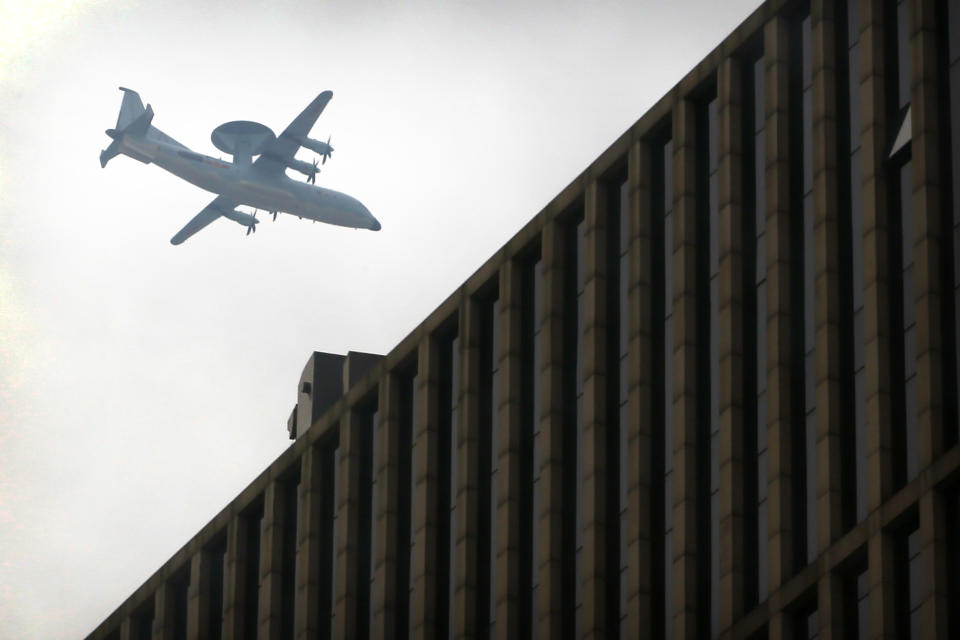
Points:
point(261, 183)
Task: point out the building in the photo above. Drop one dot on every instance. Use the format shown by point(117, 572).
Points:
point(710, 390)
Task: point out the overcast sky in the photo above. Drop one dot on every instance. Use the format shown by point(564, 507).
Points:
point(143, 385)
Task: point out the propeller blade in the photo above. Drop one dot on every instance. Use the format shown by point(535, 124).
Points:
point(329, 151)
point(249, 229)
point(274, 216)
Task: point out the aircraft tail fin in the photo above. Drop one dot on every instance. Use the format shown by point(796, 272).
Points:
point(109, 153)
point(130, 108)
point(133, 119)
point(141, 124)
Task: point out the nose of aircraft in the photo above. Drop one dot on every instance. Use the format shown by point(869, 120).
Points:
point(358, 208)
point(374, 223)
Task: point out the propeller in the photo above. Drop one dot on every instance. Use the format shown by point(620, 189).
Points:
point(328, 152)
point(252, 227)
point(274, 215)
point(312, 178)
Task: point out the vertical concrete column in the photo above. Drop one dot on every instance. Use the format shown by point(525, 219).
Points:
point(640, 394)
point(425, 467)
point(198, 596)
point(687, 609)
point(875, 138)
point(354, 456)
point(928, 207)
point(595, 362)
point(126, 629)
point(271, 563)
point(926, 153)
point(383, 595)
point(934, 565)
point(828, 309)
point(883, 601)
point(235, 579)
point(509, 456)
point(780, 315)
point(307, 614)
point(831, 606)
point(826, 230)
point(163, 612)
point(468, 462)
point(550, 562)
point(730, 341)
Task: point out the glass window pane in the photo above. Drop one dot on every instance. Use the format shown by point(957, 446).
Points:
point(712, 135)
point(953, 17)
point(807, 140)
point(668, 177)
point(860, 454)
point(903, 53)
point(760, 166)
point(762, 471)
point(955, 127)
point(853, 22)
point(854, 88)
point(856, 213)
point(762, 550)
point(624, 216)
point(811, 488)
point(759, 114)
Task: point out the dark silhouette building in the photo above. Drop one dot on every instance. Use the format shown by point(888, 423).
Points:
point(710, 390)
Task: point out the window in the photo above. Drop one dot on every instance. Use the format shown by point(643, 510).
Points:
point(406, 383)
point(949, 16)
point(900, 183)
point(529, 416)
point(573, 448)
point(446, 481)
point(662, 418)
point(329, 498)
point(287, 494)
point(536, 453)
point(855, 495)
point(366, 602)
point(617, 447)
point(492, 351)
point(809, 425)
point(452, 393)
point(908, 578)
point(755, 331)
point(712, 310)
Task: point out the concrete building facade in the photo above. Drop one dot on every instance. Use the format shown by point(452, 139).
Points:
point(709, 391)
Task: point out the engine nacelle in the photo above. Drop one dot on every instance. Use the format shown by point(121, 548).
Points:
point(241, 217)
point(305, 168)
point(317, 146)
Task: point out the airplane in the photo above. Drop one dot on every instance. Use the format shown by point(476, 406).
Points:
point(261, 183)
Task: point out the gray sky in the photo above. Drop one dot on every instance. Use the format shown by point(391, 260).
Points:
point(142, 385)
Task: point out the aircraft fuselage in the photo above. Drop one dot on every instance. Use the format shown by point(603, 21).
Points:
point(245, 184)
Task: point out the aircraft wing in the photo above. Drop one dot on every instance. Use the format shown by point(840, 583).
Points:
point(273, 159)
point(209, 213)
